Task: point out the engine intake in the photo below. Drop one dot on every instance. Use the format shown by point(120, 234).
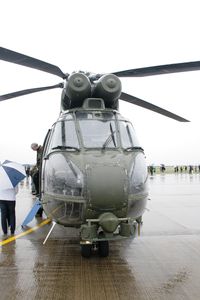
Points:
point(108, 87)
point(77, 89)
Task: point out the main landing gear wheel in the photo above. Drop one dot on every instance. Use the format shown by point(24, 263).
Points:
point(103, 248)
point(86, 250)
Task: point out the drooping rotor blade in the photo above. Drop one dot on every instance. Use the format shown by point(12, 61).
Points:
point(159, 70)
point(27, 61)
point(29, 91)
point(147, 105)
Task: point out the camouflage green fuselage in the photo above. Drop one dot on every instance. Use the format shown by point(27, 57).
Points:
point(93, 175)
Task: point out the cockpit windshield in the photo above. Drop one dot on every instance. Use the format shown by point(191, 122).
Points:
point(93, 129)
point(98, 129)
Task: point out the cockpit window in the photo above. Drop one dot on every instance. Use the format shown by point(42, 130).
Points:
point(64, 136)
point(98, 129)
point(128, 136)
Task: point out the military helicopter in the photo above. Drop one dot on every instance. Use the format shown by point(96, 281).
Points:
point(93, 171)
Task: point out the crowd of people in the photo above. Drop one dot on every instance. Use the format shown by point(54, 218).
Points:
point(176, 169)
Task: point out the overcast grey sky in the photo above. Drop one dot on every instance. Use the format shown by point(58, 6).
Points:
point(103, 36)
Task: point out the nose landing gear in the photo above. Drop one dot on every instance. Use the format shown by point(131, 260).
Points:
point(86, 250)
point(101, 246)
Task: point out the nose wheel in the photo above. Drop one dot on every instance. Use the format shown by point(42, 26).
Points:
point(101, 246)
point(86, 250)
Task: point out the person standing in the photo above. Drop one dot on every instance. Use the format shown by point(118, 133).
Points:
point(7, 205)
point(36, 173)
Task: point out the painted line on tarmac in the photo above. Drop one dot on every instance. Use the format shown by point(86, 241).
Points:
point(13, 238)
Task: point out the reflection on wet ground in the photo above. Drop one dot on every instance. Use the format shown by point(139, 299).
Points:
point(163, 263)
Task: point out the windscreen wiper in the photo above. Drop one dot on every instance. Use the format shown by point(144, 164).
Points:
point(60, 147)
point(134, 148)
point(110, 138)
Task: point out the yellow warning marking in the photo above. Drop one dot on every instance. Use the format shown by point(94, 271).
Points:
point(13, 238)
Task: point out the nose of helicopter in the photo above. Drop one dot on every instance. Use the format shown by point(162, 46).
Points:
point(107, 188)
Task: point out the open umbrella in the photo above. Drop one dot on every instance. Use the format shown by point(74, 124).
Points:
point(11, 173)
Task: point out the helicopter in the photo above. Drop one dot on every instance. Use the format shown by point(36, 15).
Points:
point(93, 173)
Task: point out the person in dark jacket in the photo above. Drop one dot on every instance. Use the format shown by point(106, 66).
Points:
point(36, 173)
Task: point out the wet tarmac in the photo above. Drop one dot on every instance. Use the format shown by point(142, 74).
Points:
point(162, 263)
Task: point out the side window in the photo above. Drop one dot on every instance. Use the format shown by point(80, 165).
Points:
point(55, 138)
point(128, 136)
point(63, 135)
point(46, 142)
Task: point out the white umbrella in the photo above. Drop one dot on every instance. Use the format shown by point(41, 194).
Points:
point(11, 173)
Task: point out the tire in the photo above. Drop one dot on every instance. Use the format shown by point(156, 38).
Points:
point(86, 250)
point(103, 248)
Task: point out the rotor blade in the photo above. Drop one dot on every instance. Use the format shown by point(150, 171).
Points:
point(29, 91)
point(147, 105)
point(159, 70)
point(27, 61)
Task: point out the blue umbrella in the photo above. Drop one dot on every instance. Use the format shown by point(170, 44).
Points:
point(11, 173)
